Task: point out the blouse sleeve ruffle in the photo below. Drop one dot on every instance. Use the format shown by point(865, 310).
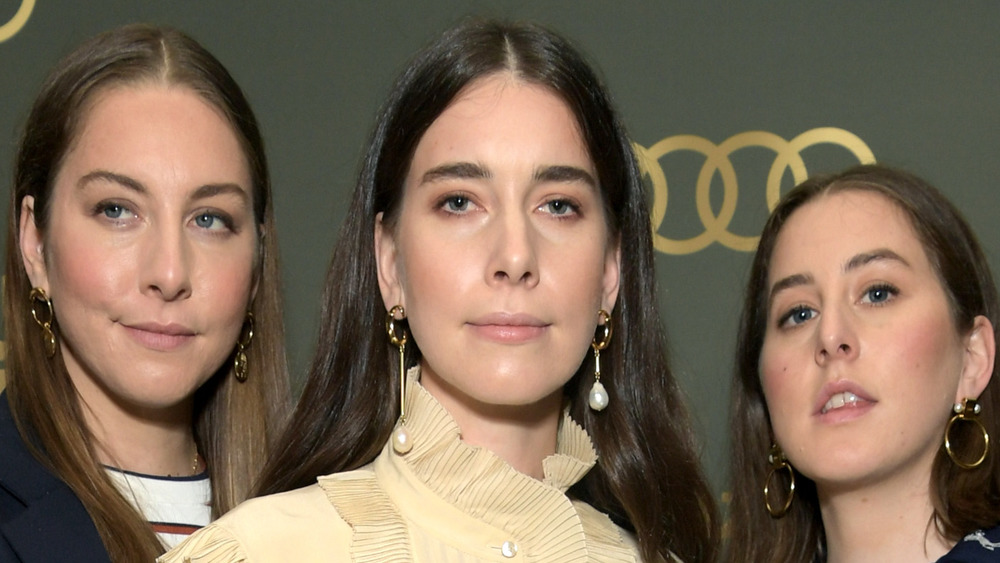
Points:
point(211, 544)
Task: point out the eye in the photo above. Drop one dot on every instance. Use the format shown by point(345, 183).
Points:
point(879, 294)
point(560, 207)
point(456, 204)
point(797, 316)
point(212, 221)
point(114, 211)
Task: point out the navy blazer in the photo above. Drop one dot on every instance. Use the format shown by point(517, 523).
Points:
point(41, 519)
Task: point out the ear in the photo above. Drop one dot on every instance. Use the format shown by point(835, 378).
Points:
point(32, 245)
point(980, 353)
point(612, 276)
point(386, 260)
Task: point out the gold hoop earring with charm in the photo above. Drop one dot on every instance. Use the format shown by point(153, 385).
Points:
point(401, 442)
point(241, 366)
point(966, 411)
point(44, 318)
point(778, 462)
point(598, 398)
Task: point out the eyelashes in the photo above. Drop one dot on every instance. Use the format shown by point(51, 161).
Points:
point(121, 214)
point(875, 295)
point(461, 204)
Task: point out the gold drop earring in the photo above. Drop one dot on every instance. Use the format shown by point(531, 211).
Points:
point(401, 442)
point(598, 394)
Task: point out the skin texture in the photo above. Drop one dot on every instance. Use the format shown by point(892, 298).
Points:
point(148, 259)
point(501, 257)
point(857, 306)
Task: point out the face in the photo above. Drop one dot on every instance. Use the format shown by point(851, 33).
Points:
point(149, 251)
point(861, 360)
point(500, 254)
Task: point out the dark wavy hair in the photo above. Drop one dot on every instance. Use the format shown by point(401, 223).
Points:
point(964, 500)
point(649, 478)
point(234, 423)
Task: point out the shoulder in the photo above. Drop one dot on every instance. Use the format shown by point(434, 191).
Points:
point(299, 525)
point(41, 519)
point(979, 546)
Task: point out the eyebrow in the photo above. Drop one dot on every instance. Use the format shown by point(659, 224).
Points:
point(854, 263)
point(456, 171)
point(202, 192)
point(473, 171)
point(107, 176)
point(875, 255)
point(565, 174)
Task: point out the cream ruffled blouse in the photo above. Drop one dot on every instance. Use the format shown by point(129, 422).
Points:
point(444, 501)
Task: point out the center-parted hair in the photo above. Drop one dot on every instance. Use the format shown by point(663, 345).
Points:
point(964, 500)
point(648, 476)
point(234, 422)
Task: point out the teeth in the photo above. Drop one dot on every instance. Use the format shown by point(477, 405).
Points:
point(840, 400)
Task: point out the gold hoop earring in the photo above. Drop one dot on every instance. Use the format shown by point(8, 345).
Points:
point(241, 365)
point(598, 394)
point(401, 442)
point(45, 319)
point(968, 410)
point(778, 462)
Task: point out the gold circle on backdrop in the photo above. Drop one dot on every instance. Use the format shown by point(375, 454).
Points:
point(20, 18)
point(788, 156)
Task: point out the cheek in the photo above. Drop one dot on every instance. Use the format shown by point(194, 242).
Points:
point(930, 354)
point(779, 382)
point(226, 285)
point(86, 271)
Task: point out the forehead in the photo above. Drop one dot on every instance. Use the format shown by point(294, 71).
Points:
point(145, 125)
point(835, 226)
point(501, 111)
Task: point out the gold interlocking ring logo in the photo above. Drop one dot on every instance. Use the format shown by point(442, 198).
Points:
point(789, 156)
point(20, 18)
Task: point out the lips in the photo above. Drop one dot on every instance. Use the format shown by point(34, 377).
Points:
point(509, 328)
point(160, 337)
point(842, 395)
point(168, 329)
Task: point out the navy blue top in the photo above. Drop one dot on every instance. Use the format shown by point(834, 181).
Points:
point(982, 546)
point(41, 519)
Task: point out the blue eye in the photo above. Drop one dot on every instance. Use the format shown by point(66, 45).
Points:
point(212, 221)
point(797, 316)
point(457, 203)
point(205, 221)
point(113, 211)
point(879, 294)
point(560, 207)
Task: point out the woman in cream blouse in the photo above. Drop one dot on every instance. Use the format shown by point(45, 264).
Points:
point(496, 270)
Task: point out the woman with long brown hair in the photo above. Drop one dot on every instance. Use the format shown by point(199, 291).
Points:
point(145, 363)
point(498, 251)
point(864, 396)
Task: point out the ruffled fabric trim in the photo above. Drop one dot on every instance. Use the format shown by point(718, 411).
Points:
point(483, 486)
point(604, 539)
point(380, 533)
point(211, 544)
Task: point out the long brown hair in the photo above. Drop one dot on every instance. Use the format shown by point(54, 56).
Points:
point(234, 422)
point(649, 478)
point(964, 500)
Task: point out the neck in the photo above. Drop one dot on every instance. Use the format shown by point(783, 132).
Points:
point(885, 522)
point(148, 440)
point(521, 435)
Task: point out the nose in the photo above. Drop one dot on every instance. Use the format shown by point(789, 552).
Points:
point(836, 337)
point(513, 257)
point(166, 265)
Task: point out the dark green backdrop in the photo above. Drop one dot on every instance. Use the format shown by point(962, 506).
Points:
point(915, 82)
